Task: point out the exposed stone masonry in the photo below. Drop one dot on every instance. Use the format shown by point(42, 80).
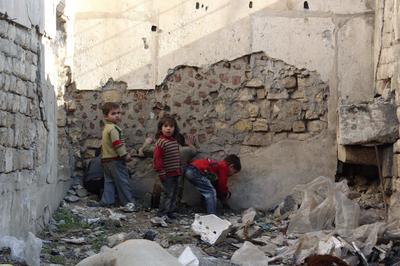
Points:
point(29, 187)
point(253, 101)
point(23, 130)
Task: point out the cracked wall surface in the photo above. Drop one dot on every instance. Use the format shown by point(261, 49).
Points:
point(255, 106)
point(30, 184)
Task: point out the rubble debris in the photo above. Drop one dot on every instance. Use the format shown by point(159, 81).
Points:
point(211, 228)
point(248, 216)
point(326, 260)
point(159, 221)
point(27, 251)
point(71, 198)
point(142, 252)
point(249, 255)
point(187, 258)
point(324, 204)
point(116, 239)
point(73, 240)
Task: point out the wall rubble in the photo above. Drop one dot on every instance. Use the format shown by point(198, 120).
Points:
point(240, 106)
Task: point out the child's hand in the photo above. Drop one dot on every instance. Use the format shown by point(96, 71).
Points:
point(147, 141)
point(190, 140)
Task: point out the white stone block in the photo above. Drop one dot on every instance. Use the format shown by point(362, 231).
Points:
point(133, 252)
point(248, 216)
point(211, 228)
point(249, 255)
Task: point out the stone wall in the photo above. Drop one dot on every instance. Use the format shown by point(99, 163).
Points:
point(245, 106)
point(30, 187)
point(387, 51)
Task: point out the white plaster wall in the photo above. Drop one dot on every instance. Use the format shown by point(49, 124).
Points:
point(115, 40)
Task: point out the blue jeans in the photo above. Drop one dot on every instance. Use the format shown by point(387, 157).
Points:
point(116, 179)
point(204, 186)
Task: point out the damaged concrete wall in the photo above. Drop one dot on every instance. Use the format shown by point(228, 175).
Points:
point(30, 185)
point(274, 115)
point(387, 51)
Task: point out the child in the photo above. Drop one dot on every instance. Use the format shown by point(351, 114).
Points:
point(166, 161)
point(114, 157)
point(203, 173)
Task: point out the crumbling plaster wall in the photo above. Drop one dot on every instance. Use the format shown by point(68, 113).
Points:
point(387, 51)
point(31, 186)
point(138, 43)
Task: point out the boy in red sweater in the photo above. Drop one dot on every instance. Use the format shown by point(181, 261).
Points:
point(204, 174)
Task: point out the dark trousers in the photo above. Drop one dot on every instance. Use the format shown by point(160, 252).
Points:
point(169, 195)
point(204, 186)
point(116, 179)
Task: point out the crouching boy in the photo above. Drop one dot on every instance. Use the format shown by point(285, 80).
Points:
point(204, 174)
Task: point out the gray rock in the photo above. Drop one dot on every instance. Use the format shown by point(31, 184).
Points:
point(368, 123)
point(71, 198)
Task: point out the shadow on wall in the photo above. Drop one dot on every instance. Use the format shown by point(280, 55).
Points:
point(31, 186)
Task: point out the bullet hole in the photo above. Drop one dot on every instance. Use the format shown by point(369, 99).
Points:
point(251, 4)
point(197, 5)
point(206, 8)
point(306, 6)
point(153, 28)
point(202, 5)
point(145, 45)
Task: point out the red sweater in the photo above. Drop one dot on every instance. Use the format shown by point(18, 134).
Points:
point(166, 157)
point(219, 168)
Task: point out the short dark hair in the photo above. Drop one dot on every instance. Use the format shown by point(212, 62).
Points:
point(233, 160)
point(108, 106)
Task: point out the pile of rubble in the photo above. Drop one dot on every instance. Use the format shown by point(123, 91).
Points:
point(318, 225)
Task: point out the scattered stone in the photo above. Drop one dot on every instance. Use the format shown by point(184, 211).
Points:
point(248, 216)
point(115, 239)
point(71, 198)
point(73, 240)
point(150, 235)
point(187, 258)
point(81, 192)
point(249, 255)
point(159, 221)
point(211, 228)
point(248, 232)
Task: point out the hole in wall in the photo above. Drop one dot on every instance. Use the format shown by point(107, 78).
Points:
point(305, 5)
point(251, 4)
point(197, 5)
point(153, 28)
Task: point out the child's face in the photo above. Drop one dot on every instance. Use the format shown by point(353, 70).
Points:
point(167, 130)
point(114, 116)
point(232, 170)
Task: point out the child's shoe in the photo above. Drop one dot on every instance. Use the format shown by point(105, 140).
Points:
point(129, 207)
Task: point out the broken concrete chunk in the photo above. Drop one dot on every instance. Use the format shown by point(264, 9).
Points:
point(133, 252)
point(211, 228)
point(115, 239)
point(187, 258)
point(71, 198)
point(248, 232)
point(368, 123)
point(248, 216)
point(249, 255)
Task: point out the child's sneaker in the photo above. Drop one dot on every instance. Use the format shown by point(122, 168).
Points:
point(129, 207)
